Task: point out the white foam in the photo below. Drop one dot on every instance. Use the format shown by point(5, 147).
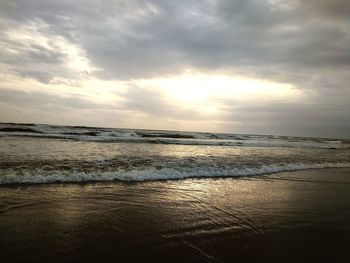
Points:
point(38, 176)
point(189, 138)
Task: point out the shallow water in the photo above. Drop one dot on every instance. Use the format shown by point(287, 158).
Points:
point(289, 217)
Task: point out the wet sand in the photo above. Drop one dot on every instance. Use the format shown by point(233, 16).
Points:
point(299, 216)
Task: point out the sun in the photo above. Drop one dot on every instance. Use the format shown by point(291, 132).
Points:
point(189, 89)
point(207, 88)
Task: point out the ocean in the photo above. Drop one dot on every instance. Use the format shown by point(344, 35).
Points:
point(85, 194)
point(38, 153)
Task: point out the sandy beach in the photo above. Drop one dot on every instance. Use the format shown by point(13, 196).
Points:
point(175, 131)
point(301, 216)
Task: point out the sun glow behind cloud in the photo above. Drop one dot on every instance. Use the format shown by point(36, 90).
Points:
point(178, 65)
point(205, 91)
point(192, 93)
point(197, 93)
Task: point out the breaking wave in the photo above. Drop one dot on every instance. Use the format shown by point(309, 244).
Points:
point(93, 134)
point(37, 153)
point(38, 176)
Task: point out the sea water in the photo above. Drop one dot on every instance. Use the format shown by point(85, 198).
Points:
point(37, 153)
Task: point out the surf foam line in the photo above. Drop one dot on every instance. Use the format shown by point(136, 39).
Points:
point(34, 176)
point(195, 141)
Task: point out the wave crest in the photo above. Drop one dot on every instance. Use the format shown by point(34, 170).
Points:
point(38, 176)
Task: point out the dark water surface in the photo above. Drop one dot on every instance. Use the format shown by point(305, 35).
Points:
point(301, 216)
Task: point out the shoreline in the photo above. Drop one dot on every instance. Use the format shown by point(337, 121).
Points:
point(4, 185)
point(300, 216)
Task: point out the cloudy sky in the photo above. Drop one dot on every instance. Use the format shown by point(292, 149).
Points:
point(240, 66)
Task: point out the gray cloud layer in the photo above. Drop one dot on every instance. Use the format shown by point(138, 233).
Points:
point(305, 43)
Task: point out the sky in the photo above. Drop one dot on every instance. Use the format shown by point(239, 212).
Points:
point(239, 66)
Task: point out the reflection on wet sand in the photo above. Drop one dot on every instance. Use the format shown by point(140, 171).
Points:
point(195, 220)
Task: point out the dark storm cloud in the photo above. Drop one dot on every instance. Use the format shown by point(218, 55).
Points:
point(330, 9)
point(134, 39)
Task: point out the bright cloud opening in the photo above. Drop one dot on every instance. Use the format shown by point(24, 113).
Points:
point(203, 88)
